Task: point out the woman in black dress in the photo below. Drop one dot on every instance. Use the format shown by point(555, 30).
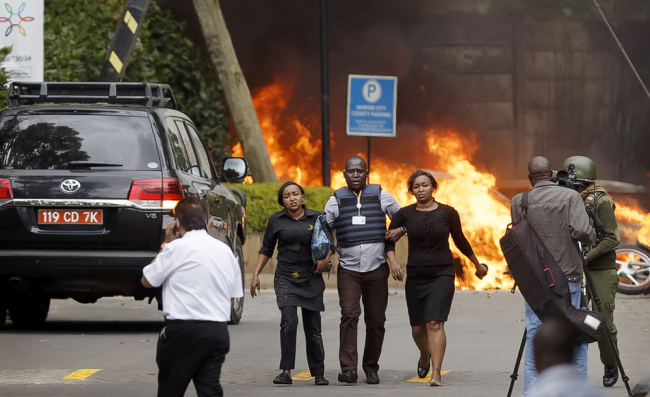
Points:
point(298, 281)
point(430, 268)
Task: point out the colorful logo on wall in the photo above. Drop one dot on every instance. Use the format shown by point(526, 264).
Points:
point(21, 19)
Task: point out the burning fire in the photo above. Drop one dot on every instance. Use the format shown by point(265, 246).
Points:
point(484, 215)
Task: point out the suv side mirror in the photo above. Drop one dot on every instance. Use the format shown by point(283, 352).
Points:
point(234, 169)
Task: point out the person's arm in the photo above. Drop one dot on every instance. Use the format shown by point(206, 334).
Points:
point(611, 240)
point(514, 210)
point(331, 211)
point(262, 260)
point(395, 231)
point(579, 225)
point(266, 252)
point(396, 269)
point(389, 205)
point(456, 231)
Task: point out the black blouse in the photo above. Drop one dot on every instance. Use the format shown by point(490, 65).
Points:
point(428, 235)
point(293, 237)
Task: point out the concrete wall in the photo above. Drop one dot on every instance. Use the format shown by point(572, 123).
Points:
point(541, 88)
point(254, 242)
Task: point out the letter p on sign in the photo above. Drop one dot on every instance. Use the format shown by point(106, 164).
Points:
point(372, 91)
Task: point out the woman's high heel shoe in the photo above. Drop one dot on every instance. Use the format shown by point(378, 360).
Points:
point(423, 372)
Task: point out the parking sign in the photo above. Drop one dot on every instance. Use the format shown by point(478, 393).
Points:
point(372, 101)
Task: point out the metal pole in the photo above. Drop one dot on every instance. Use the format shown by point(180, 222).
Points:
point(325, 93)
point(602, 14)
point(368, 157)
point(515, 373)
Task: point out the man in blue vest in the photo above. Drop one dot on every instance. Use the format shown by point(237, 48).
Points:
point(358, 214)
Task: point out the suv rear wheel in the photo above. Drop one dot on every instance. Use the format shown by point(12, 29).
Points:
point(238, 306)
point(29, 311)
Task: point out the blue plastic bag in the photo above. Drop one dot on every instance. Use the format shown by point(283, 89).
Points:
point(321, 240)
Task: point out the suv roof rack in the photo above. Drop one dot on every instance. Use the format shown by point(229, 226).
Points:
point(148, 94)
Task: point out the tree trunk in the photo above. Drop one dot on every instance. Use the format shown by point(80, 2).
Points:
point(238, 95)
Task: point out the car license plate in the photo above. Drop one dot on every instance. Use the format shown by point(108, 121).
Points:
point(74, 217)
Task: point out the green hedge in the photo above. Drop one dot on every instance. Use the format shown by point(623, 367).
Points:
point(262, 202)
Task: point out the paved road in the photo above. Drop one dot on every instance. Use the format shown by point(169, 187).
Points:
point(115, 340)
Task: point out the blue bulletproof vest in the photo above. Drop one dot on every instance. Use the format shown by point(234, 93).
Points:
point(347, 234)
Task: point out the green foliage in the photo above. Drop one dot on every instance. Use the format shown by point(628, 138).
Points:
point(4, 78)
point(78, 34)
point(616, 10)
point(262, 202)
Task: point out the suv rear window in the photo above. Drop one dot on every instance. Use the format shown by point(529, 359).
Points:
point(47, 141)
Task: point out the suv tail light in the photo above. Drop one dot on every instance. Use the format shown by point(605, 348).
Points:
point(5, 190)
point(168, 190)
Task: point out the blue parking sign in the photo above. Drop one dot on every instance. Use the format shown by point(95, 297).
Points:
point(372, 101)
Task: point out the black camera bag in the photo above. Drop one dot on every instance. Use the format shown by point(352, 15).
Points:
point(541, 281)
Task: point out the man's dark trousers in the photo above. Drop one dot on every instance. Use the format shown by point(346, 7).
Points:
point(191, 350)
point(372, 288)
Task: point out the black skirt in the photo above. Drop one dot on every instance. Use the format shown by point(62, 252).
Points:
point(429, 292)
point(298, 285)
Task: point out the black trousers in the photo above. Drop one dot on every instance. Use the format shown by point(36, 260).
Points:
point(191, 350)
point(288, 330)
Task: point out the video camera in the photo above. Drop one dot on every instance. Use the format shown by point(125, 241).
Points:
point(566, 178)
point(569, 179)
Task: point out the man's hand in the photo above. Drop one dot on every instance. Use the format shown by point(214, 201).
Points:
point(396, 271)
point(169, 233)
point(321, 265)
point(255, 286)
point(481, 270)
point(393, 235)
point(586, 259)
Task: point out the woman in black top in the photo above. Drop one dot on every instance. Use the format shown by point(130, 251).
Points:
point(298, 282)
point(430, 268)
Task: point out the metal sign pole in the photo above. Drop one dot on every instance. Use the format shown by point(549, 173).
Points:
point(369, 157)
point(325, 93)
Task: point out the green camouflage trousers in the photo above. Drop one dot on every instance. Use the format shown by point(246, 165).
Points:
point(606, 283)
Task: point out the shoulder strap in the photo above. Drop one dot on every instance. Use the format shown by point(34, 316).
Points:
point(524, 202)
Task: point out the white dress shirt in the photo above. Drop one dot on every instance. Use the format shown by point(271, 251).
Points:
point(199, 275)
point(362, 257)
point(564, 380)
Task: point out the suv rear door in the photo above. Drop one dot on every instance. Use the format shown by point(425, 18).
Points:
point(71, 173)
point(196, 171)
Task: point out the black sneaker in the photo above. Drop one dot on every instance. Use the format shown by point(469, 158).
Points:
point(319, 380)
point(611, 375)
point(282, 379)
point(372, 378)
point(348, 377)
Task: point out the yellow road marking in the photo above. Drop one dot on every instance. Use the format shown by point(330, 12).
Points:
point(304, 375)
point(427, 378)
point(81, 374)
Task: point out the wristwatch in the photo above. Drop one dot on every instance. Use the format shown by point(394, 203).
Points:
point(403, 229)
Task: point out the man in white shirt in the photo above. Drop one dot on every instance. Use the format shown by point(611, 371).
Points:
point(553, 347)
point(199, 276)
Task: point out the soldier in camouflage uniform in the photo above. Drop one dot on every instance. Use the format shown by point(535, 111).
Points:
point(601, 259)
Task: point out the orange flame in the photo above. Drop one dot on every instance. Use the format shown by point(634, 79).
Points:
point(295, 155)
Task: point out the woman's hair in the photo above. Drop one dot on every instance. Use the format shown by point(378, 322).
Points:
point(417, 173)
point(190, 214)
point(281, 191)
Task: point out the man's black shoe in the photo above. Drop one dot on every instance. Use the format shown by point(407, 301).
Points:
point(372, 378)
point(319, 380)
point(282, 379)
point(611, 375)
point(348, 377)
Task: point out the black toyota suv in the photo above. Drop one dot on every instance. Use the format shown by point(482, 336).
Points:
point(89, 176)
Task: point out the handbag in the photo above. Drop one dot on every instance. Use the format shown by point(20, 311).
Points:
point(321, 241)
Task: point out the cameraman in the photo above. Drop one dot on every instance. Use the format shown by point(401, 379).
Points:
point(199, 275)
point(601, 259)
point(558, 216)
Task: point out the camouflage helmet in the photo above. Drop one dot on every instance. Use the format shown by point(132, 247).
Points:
point(585, 168)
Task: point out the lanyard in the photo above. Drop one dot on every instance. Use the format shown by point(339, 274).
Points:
point(358, 202)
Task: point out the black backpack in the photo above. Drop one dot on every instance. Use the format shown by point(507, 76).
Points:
point(541, 281)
